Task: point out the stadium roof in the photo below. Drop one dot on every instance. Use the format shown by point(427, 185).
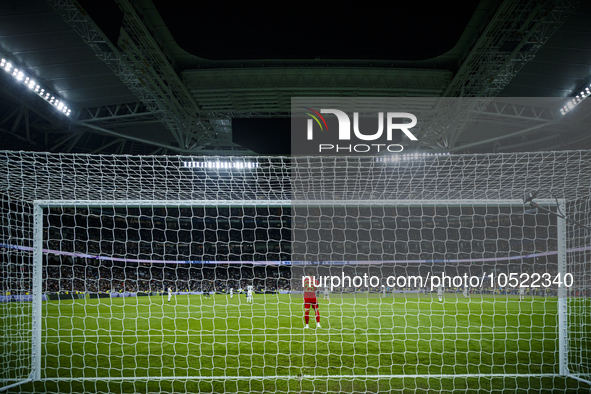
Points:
point(154, 76)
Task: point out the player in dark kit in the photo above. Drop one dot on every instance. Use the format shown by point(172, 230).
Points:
point(310, 300)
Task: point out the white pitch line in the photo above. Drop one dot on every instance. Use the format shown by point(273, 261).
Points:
point(313, 331)
point(299, 377)
point(292, 305)
point(242, 314)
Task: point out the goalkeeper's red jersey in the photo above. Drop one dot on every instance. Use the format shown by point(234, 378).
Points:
point(310, 288)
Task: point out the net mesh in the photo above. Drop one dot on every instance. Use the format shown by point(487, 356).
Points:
point(121, 232)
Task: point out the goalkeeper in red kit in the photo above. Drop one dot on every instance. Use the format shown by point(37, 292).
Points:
point(310, 285)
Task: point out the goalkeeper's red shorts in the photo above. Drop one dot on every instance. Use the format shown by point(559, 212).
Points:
point(310, 302)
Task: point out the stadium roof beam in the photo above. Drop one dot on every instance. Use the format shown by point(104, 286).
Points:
point(144, 55)
point(516, 111)
point(515, 33)
point(19, 113)
point(103, 147)
point(543, 142)
point(72, 138)
point(118, 114)
point(554, 141)
point(229, 149)
point(24, 139)
point(143, 68)
point(527, 130)
point(268, 91)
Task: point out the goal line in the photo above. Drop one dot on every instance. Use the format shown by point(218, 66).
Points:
point(335, 331)
point(305, 377)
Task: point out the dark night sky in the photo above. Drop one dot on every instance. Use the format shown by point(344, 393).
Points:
point(394, 30)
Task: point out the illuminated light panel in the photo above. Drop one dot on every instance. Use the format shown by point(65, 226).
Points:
point(409, 156)
point(239, 165)
point(21, 76)
point(572, 103)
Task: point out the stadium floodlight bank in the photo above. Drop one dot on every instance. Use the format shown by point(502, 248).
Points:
point(124, 273)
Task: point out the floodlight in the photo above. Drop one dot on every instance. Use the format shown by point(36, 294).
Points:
point(21, 76)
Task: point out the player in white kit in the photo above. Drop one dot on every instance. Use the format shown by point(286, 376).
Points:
point(169, 294)
point(249, 294)
point(440, 293)
point(231, 292)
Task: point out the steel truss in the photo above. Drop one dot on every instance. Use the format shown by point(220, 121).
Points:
point(141, 65)
point(515, 33)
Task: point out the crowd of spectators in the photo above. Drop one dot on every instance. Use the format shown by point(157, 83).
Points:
point(89, 275)
point(67, 274)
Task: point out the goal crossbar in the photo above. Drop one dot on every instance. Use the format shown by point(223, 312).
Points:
point(296, 202)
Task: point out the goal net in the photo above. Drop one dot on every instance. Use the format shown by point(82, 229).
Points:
point(181, 274)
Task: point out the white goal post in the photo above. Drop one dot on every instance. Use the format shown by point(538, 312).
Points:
point(52, 204)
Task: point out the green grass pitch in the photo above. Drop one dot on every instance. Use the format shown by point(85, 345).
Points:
point(366, 343)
